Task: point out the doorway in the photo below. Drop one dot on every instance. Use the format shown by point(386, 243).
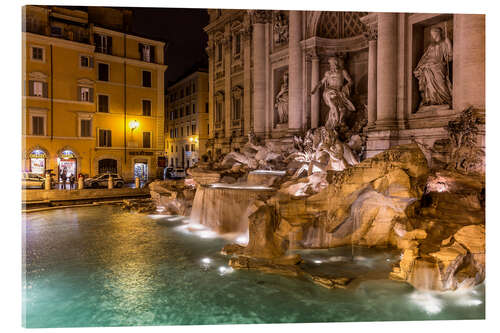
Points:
point(108, 165)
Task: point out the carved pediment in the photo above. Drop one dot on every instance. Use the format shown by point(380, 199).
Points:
point(85, 82)
point(37, 76)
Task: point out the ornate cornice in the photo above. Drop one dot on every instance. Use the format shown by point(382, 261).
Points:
point(260, 16)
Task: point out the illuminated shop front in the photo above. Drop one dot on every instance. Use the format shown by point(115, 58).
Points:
point(38, 160)
point(67, 163)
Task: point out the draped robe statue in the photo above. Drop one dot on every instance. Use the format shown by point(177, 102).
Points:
point(432, 71)
point(281, 101)
point(336, 93)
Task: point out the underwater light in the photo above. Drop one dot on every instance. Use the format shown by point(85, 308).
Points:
point(206, 260)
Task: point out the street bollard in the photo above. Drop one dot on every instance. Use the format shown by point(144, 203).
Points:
point(137, 182)
point(110, 182)
point(47, 181)
point(80, 183)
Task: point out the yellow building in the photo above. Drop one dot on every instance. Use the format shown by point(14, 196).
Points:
point(93, 97)
point(186, 131)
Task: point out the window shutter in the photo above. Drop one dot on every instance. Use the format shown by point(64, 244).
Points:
point(91, 62)
point(31, 87)
point(45, 89)
point(152, 53)
point(110, 44)
point(91, 95)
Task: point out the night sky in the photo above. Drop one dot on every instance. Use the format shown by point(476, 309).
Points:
point(182, 29)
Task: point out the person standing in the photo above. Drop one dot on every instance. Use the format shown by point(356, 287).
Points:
point(63, 178)
point(71, 181)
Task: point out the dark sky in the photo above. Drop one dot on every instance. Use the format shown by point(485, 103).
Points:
point(182, 29)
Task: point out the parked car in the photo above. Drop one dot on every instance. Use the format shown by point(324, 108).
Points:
point(102, 181)
point(33, 180)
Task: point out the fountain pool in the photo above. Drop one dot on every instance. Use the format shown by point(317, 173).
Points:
point(100, 266)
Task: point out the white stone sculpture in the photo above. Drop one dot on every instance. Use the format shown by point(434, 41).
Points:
point(336, 92)
point(433, 72)
point(281, 101)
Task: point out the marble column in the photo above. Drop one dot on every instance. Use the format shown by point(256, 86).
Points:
point(387, 65)
point(468, 61)
point(295, 72)
point(315, 98)
point(259, 77)
point(226, 60)
point(247, 78)
point(372, 78)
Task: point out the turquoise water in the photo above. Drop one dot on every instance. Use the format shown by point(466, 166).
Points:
point(99, 266)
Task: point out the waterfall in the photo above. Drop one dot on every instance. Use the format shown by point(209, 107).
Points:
point(225, 208)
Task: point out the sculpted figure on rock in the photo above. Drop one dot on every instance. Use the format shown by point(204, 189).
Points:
point(337, 85)
point(432, 70)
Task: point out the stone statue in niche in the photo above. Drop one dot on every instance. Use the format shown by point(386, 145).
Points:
point(280, 29)
point(281, 101)
point(433, 71)
point(337, 85)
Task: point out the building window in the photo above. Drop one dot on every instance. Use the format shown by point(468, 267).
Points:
point(146, 107)
point(103, 44)
point(37, 88)
point(171, 115)
point(206, 107)
point(182, 131)
point(56, 31)
point(171, 149)
point(194, 108)
point(146, 139)
point(86, 94)
point(237, 103)
point(103, 72)
point(147, 52)
point(38, 123)
point(37, 53)
point(104, 138)
point(86, 61)
point(218, 114)
point(175, 132)
point(219, 52)
point(237, 109)
point(176, 149)
point(103, 103)
point(208, 129)
point(146, 79)
point(237, 46)
point(187, 130)
point(193, 129)
point(85, 127)
point(187, 110)
point(187, 148)
point(192, 147)
point(181, 112)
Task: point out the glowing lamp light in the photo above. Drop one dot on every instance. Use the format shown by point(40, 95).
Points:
point(133, 124)
point(206, 260)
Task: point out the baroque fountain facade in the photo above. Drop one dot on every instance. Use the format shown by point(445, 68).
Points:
point(358, 138)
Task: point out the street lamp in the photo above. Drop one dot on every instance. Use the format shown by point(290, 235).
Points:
point(133, 125)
